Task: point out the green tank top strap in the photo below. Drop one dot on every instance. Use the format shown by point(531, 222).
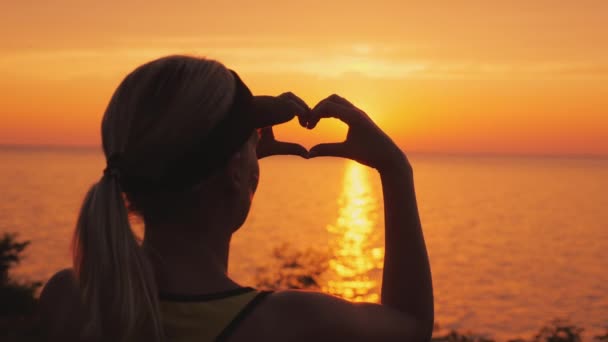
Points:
point(231, 327)
point(207, 317)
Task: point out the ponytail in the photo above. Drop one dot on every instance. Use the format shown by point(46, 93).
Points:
point(116, 281)
point(155, 113)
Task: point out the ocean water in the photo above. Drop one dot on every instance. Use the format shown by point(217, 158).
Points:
point(513, 242)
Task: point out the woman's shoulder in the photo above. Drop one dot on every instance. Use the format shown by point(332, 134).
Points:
point(274, 318)
point(297, 315)
point(290, 315)
point(60, 308)
point(61, 286)
point(64, 276)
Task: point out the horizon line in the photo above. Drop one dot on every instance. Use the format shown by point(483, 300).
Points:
point(479, 154)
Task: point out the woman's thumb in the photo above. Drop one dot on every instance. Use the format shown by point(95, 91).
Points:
point(328, 150)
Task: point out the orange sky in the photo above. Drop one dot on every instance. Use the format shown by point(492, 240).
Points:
point(477, 76)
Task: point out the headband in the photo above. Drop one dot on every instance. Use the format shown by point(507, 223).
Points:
point(212, 152)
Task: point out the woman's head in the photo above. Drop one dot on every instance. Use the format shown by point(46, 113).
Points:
point(156, 121)
point(163, 110)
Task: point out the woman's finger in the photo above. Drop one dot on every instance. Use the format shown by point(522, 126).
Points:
point(268, 146)
point(339, 99)
point(271, 110)
point(295, 98)
point(302, 117)
point(281, 148)
point(266, 133)
point(285, 148)
point(329, 150)
point(330, 109)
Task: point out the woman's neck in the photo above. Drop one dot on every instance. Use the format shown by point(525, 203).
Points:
point(189, 259)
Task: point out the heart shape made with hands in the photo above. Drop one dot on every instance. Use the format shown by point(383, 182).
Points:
point(291, 138)
point(365, 142)
point(288, 106)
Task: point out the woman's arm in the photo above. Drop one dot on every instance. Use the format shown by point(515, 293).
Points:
point(407, 284)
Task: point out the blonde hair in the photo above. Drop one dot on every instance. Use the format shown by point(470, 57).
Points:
point(159, 110)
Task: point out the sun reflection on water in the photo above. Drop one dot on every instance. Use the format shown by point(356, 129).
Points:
point(356, 257)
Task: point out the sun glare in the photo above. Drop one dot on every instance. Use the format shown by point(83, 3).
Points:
point(355, 257)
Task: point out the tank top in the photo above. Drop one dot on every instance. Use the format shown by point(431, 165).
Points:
point(208, 317)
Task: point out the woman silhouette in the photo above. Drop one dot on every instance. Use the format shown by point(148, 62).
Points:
point(182, 138)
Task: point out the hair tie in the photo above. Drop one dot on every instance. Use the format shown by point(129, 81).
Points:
point(113, 166)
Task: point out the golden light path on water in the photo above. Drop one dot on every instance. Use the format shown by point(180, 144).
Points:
point(356, 255)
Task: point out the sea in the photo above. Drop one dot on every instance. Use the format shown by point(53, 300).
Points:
point(514, 242)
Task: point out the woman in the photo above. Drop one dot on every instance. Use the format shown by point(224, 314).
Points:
point(182, 137)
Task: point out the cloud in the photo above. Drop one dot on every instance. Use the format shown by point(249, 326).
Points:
point(272, 55)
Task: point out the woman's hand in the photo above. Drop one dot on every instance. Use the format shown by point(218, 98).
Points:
point(278, 110)
point(365, 141)
point(268, 146)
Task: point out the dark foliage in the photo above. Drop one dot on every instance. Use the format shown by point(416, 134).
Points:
point(455, 336)
point(559, 331)
point(10, 254)
point(556, 331)
point(18, 302)
point(603, 338)
point(16, 298)
point(292, 270)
